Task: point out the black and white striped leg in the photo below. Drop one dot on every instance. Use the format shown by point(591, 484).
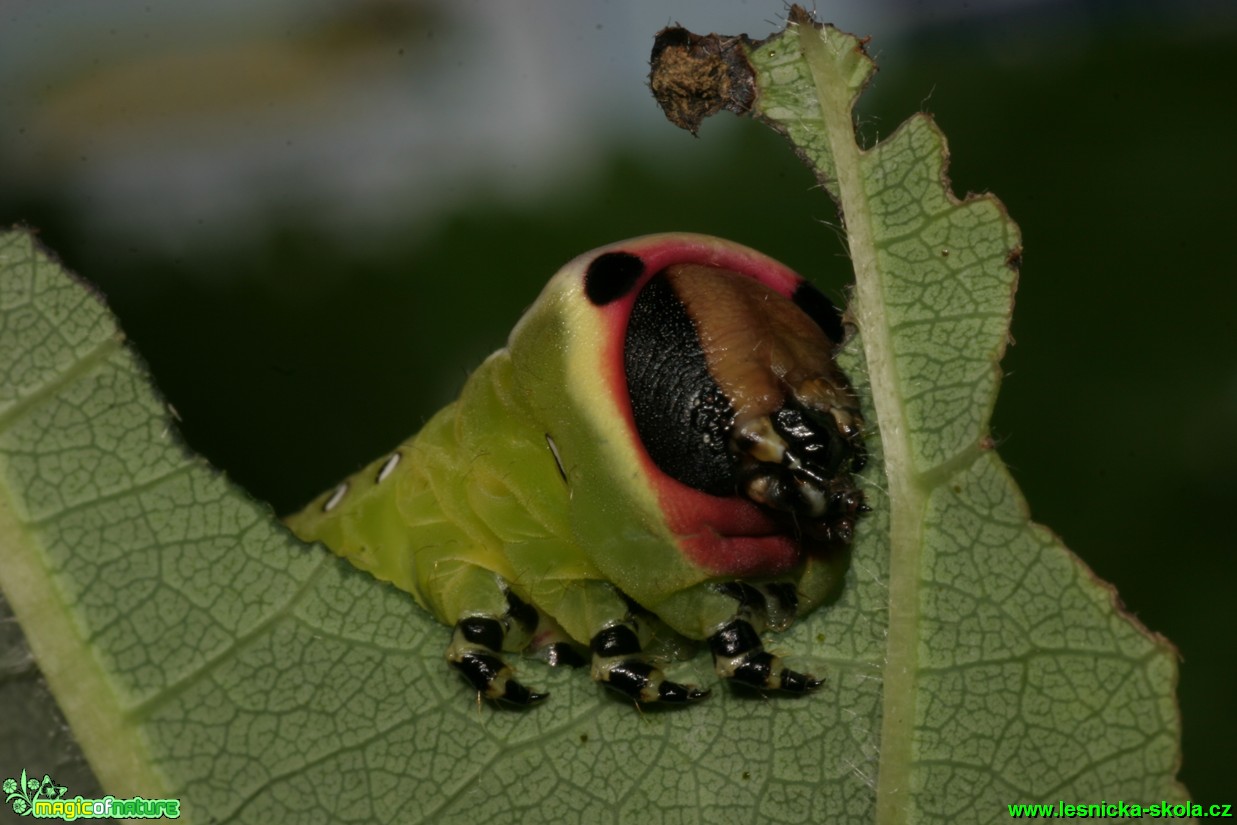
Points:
point(476, 652)
point(738, 653)
point(740, 656)
point(620, 663)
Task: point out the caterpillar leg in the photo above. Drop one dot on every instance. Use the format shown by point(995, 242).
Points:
point(476, 652)
point(738, 653)
point(620, 663)
point(588, 608)
point(489, 619)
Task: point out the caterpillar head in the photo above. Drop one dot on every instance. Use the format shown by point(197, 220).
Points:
point(712, 369)
point(734, 391)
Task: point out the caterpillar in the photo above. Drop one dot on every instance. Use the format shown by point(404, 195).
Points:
point(666, 446)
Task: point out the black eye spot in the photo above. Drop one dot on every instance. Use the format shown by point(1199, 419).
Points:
point(611, 276)
point(821, 310)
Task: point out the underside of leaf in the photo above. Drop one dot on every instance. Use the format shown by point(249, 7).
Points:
point(1000, 646)
point(972, 661)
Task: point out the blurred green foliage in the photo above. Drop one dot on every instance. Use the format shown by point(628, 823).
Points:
point(1118, 417)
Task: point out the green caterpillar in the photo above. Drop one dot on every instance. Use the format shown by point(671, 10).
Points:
point(665, 444)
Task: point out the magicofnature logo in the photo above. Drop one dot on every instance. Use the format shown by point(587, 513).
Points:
point(44, 799)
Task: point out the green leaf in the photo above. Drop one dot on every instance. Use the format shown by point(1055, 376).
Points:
point(199, 652)
point(1010, 673)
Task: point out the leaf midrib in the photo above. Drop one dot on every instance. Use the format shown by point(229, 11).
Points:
point(905, 498)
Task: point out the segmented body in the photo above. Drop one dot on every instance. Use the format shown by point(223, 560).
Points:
point(530, 512)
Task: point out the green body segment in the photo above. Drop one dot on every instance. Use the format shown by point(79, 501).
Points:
point(477, 502)
point(534, 489)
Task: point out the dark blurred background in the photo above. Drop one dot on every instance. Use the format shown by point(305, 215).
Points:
point(314, 218)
